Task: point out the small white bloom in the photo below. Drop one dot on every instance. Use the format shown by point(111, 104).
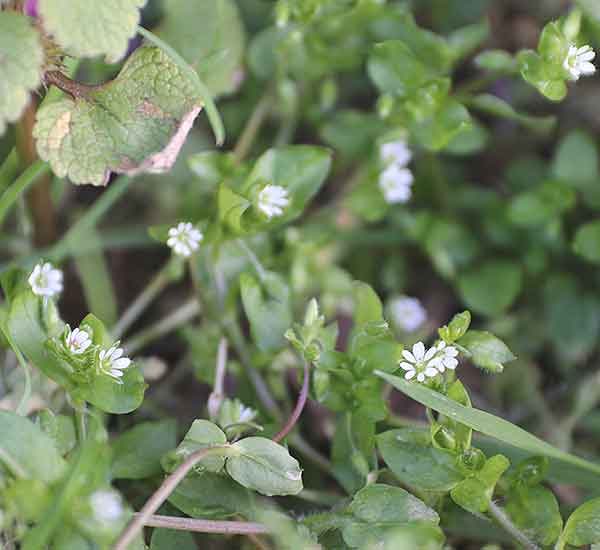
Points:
point(112, 362)
point(446, 358)
point(246, 414)
point(46, 280)
point(272, 200)
point(395, 184)
point(184, 239)
point(418, 363)
point(407, 313)
point(395, 152)
point(578, 61)
point(77, 341)
point(107, 506)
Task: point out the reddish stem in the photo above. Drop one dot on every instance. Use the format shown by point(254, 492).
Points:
point(298, 409)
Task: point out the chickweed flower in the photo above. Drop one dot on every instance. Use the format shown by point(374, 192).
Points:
point(395, 184)
point(423, 364)
point(446, 357)
point(184, 239)
point(395, 152)
point(107, 506)
point(407, 313)
point(77, 341)
point(45, 280)
point(578, 61)
point(417, 362)
point(112, 362)
point(272, 200)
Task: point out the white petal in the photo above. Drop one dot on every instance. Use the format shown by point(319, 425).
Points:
point(430, 353)
point(431, 372)
point(419, 351)
point(450, 363)
point(410, 375)
point(587, 68)
point(406, 366)
point(408, 356)
point(122, 363)
point(421, 377)
point(451, 352)
point(441, 345)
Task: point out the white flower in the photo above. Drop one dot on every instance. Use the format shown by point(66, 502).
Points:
point(77, 341)
point(107, 506)
point(272, 200)
point(395, 152)
point(46, 280)
point(418, 362)
point(445, 358)
point(407, 313)
point(184, 239)
point(578, 61)
point(246, 414)
point(395, 184)
point(112, 362)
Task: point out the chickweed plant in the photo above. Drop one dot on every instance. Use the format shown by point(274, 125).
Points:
point(299, 274)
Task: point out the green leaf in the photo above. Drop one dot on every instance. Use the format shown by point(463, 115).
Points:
point(60, 428)
point(300, 169)
point(587, 242)
point(412, 459)
point(542, 205)
point(535, 510)
point(395, 69)
point(487, 351)
point(86, 28)
point(583, 526)
point(202, 434)
point(474, 493)
point(211, 495)
point(447, 122)
point(378, 509)
point(576, 159)
point(505, 277)
point(486, 423)
point(167, 539)
point(136, 123)
point(137, 452)
point(465, 40)
point(497, 60)
point(21, 58)
point(27, 451)
point(264, 466)
point(268, 308)
point(457, 327)
point(539, 74)
point(210, 36)
point(368, 307)
point(494, 105)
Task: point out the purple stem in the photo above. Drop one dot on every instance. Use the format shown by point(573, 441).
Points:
point(297, 410)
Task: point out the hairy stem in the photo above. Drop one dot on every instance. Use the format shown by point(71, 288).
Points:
point(162, 494)
point(504, 521)
point(76, 90)
point(289, 425)
point(206, 526)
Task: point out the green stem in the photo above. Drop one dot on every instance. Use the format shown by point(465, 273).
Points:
point(22, 407)
point(156, 285)
point(20, 185)
point(250, 131)
point(8, 170)
point(181, 316)
point(504, 521)
point(80, 419)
